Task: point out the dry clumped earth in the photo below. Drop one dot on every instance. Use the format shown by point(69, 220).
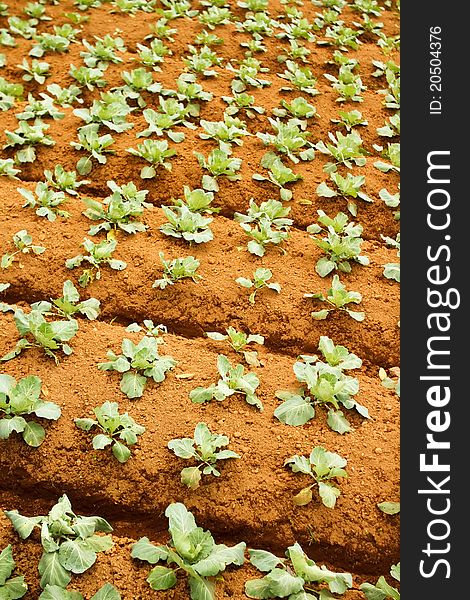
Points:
point(252, 500)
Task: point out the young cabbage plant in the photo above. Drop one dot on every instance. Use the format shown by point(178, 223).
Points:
point(233, 380)
point(28, 137)
point(177, 269)
point(323, 384)
point(11, 588)
point(190, 92)
point(69, 304)
point(242, 102)
point(8, 168)
point(382, 590)
point(348, 85)
point(154, 55)
point(238, 341)
point(392, 154)
point(36, 10)
point(392, 270)
point(26, 28)
point(197, 200)
point(38, 70)
point(278, 174)
point(36, 109)
point(295, 51)
point(219, 163)
point(289, 139)
point(149, 328)
point(156, 153)
point(297, 578)
point(260, 280)
point(341, 244)
point(338, 34)
point(99, 254)
point(121, 210)
point(204, 448)
point(23, 243)
point(350, 119)
point(301, 79)
point(338, 297)
point(138, 362)
point(391, 128)
point(65, 97)
point(202, 61)
point(161, 122)
point(299, 108)
point(55, 592)
point(392, 200)
point(95, 145)
point(111, 111)
point(103, 52)
point(117, 430)
point(136, 82)
point(265, 225)
point(18, 401)
point(227, 132)
point(344, 149)
point(248, 75)
point(64, 181)
point(392, 380)
point(37, 332)
point(87, 77)
point(70, 542)
point(9, 93)
point(190, 549)
point(47, 202)
point(322, 466)
point(187, 225)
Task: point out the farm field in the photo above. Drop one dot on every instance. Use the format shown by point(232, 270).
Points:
point(199, 258)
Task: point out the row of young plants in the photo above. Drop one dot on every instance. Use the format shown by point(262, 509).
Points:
point(72, 542)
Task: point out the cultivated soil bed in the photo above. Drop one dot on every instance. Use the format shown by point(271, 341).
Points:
point(252, 501)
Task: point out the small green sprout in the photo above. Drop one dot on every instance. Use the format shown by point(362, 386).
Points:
point(338, 297)
point(99, 254)
point(260, 280)
point(23, 243)
point(177, 269)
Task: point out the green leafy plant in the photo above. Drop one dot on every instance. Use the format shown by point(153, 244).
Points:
point(69, 304)
point(189, 91)
point(111, 111)
point(392, 154)
point(201, 61)
point(36, 332)
point(190, 549)
point(117, 430)
point(350, 119)
point(65, 96)
point(161, 122)
point(27, 137)
point(389, 508)
point(138, 362)
point(218, 163)
point(103, 52)
point(64, 181)
point(322, 466)
point(177, 269)
point(278, 174)
point(345, 149)
point(40, 108)
point(392, 200)
point(391, 128)
point(154, 152)
point(87, 76)
point(233, 380)
point(260, 280)
point(227, 132)
point(8, 168)
point(328, 386)
point(197, 200)
point(383, 590)
point(297, 579)
point(338, 297)
point(300, 78)
point(248, 75)
point(47, 202)
point(270, 214)
point(99, 254)
point(23, 243)
point(341, 244)
point(392, 270)
point(55, 592)
point(204, 449)
point(9, 93)
point(187, 225)
point(238, 341)
point(136, 82)
point(23, 27)
point(299, 108)
point(121, 210)
point(243, 101)
point(391, 381)
point(70, 542)
point(11, 588)
point(36, 10)
point(96, 146)
point(289, 139)
point(348, 85)
point(154, 55)
point(37, 70)
point(19, 400)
